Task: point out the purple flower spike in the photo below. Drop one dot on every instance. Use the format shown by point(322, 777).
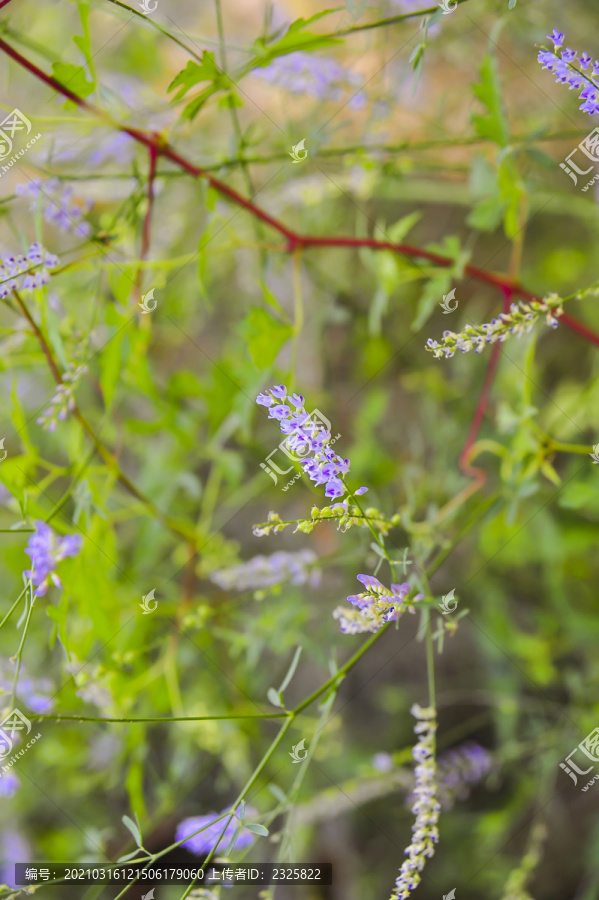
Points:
point(308, 433)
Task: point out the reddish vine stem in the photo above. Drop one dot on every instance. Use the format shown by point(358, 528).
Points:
point(294, 240)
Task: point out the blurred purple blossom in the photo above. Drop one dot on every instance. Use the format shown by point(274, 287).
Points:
point(317, 76)
point(202, 843)
point(46, 550)
point(263, 572)
point(9, 784)
point(26, 272)
point(59, 206)
point(34, 692)
point(63, 401)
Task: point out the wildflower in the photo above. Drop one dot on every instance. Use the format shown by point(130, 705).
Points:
point(521, 318)
point(263, 572)
point(383, 762)
point(35, 692)
point(377, 605)
point(317, 76)
point(60, 208)
point(26, 272)
point(202, 843)
point(426, 807)
point(46, 551)
point(461, 769)
point(9, 784)
point(63, 401)
point(566, 65)
point(307, 433)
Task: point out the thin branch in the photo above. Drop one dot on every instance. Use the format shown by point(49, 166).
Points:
point(294, 239)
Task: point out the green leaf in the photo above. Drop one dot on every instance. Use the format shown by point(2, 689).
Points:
point(74, 78)
point(295, 38)
point(257, 829)
point(133, 828)
point(111, 367)
point(493, 124)
point(291, 671)
point(195, 73)
point(265, 337)
point(275, 697)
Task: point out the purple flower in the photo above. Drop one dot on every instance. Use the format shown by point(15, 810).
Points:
point(279, 391)
point(375, 606)
point(16, 272)
point(59, 206)
point(557, 37)
point(315, 76)
point(46, 551)
point(264, 400)
point(203, 843)
point(563, 65)
point(309, 432)
point(9, 784)
point(360, 491)
point(265, 572)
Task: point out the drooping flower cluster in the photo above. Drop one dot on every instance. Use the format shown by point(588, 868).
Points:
point(376, 606)
point(63, 401)
point(569, 68)
point(26, 272)
point(46, 550)
point(307, 433)
point(60, 207)
point(263, 572)
point(317, 76)
point(204, 841)
point(521, 318)
point(426, 806)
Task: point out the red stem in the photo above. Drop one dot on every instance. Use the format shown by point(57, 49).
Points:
point(155, 145)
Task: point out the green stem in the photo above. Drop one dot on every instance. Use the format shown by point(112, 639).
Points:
point(10, 611)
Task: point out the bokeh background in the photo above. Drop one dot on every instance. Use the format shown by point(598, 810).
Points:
point(402, 146)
